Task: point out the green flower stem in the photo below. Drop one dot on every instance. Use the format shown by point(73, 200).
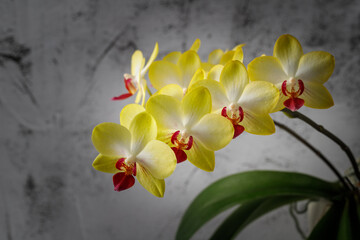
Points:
point(322, 130)
point(312, 148)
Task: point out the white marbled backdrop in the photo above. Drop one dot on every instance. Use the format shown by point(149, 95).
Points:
point(62, 61)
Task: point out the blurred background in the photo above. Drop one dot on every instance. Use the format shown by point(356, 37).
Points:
point(62, 61)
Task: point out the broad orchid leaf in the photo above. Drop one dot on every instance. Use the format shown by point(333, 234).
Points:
point(345, 224)
point(249, 186)
point(247, 213)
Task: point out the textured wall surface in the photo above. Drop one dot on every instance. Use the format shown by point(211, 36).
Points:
point(62, 61)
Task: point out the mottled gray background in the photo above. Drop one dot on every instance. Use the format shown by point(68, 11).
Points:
point(62, 61)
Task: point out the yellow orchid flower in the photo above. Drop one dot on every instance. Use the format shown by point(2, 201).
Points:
point(133, 151)
point(135, 81)
point(246, 104)
point(188, 126)
point(299, 77)
point(174, 57)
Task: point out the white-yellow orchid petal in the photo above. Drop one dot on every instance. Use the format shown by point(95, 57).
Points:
point(238, 55)
point(201, 157)
point(266, 68)
point(215, 56)
point(195, 105)
point(198, 76)
point(151, 59)
point(153, 185)
point(137, 62)
point(259, 97)
point(111, 139)
point(288, 50)
point(213, 131)
point(139, 96)
point(217, 91)
point(316, 96)
point(143, 129)
point(234, 78)
point(215, 72)
point(226, 57)
point(206, 66)
point(172, 90)
point(129, 112)
point(172, 57)
point(258, 124)
point(162, 73)
point(316, 67)
point(158, 158)
point(166, 110)
point(239, 46)
point(196, 45)
point(105, 164)
point(189, 63)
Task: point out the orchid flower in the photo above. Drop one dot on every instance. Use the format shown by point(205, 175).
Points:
point(246, 105)
point(299, 77)
point(135, 81)
point(130, 150)
point(188, 126)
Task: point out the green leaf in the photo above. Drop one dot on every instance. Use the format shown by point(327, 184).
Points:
point(247, 213)
point(345, 223)
point(249, 186)
point(327, 227)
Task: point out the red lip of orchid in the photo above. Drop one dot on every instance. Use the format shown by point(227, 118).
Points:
point(293, 102)
point(124, 179)
point(181, 145)
point(128, 80)
point(235, 117)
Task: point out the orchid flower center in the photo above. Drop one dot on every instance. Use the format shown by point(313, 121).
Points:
point(235, 114)
point(182, 141)
point(127, 166)
point(296, 89)
point(130, 83)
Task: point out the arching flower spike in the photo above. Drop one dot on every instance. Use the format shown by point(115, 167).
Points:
point(133, 151)
point(299, 77)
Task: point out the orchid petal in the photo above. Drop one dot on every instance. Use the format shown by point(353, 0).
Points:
point(151, 59)
point(195, 105)
point(213, 131)
point(258, 124)
point(111, 139)
point(316, 96)
point(150, 183)
point(234, 78)
point(162, 73)
point(158, 158)
point(238, 54)
point(172, 90)
point(288, 50)
point(196, 45)
point(198, 75)
point(215, 56)
point(316, 67)
point(266, 68)
point(259, 97)
point(137, 62)
point(201, 157)
point(189, 63)
point(105, 164)
point(129, 112)
point(172, 57)
point(227, 57)
point(215, 72)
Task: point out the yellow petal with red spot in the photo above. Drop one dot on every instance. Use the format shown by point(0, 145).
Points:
point(129, 112)
point(162, 73)
point(105, 164)
point(288, 50)
point(258, 124)
point(172, 90)
point(316, 67)
point(259, 97)
point(213, 131)
point(137, 62)
point(215, 56)
point(189, 63)
point(158, 158)
point(143, 129)
point(266, 68)
point(201, 157)
point(316, 96)
point(215, 72)
point(195, 105)
point(111, 139)
point(166, 110)
point(155, 186)
point(172, 57)
point(234, 78)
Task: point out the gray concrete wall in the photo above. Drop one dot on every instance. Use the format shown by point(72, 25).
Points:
point(62, 61)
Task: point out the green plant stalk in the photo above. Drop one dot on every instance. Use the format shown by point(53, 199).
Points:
point(316, 151)
point(330, 135)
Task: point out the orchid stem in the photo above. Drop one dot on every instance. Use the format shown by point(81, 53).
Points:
point(330, 135)
point(149, 92)
point(312, 148)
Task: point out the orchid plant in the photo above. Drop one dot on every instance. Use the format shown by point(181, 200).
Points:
point(200, 107)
